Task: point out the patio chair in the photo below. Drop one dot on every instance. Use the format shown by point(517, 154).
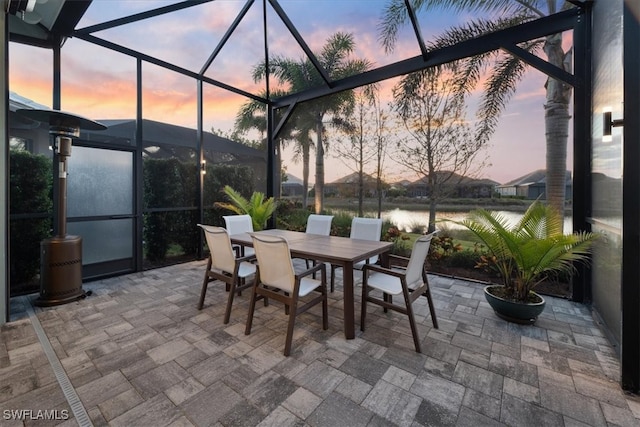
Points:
point(223, 265)
point(411, 282)
point(276, 279)
point(318, 224)
point(365, 229)
point(236, 224)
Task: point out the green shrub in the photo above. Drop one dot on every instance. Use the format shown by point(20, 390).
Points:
point(30, 192)
point(172, 183)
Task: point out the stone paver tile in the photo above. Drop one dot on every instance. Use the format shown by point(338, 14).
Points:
point(120, 404)
point(364, 367)
point(575, 352)
point(112, 362)
point(157, 411)
point(17, 380)
point(478, 359)
point(399, 377)
point(471, 418)
point(554, 362)
point(354, 389)
point(535, 343)
point(634, 405)
point(522, 391)
point(183, 390)
point(443, 393)
point(432, 414)
point(181, 422)
point(335, 410)
point(604, 390)
point(242, 414)
point(282, 418)
point(557, 379)
point(610, 365)
point(514, 369)
point(49, 397)
point(392, 403)
point(482, 403)
point(441, 351)
point(572, 404)
point(211, 404)
point(103, 389)
point(478, 379)
point(169, 351)
point(212, 369)
point(263, 358)
point(516, 412)
point(159, 379)
point(302, 403)
point(268, 391)
point(589, 369)
point(319, 378)
point(618, 416)
point(471, 342)
point(439, 368)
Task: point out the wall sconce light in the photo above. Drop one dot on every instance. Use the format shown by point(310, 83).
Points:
point(608, 123)
point(203, 167)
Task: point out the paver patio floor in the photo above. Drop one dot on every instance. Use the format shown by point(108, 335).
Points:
point(137, 352)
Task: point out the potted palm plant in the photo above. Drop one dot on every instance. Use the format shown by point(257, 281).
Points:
point(524, 255)
point(257, 207)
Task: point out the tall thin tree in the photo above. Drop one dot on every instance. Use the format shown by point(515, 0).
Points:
point(506, 70)
point(299, 75)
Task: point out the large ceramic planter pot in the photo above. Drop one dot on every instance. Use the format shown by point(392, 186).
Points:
point(513, 311)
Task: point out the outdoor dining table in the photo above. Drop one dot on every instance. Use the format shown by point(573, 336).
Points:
point(340, 251)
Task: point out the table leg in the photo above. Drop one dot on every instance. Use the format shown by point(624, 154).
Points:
point(347, 284)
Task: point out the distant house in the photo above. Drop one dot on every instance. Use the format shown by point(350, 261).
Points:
point(532, 185)
point(347, 186)
point(292, 187)
point(457, 186)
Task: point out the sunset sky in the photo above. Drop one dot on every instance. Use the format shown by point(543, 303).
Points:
point(100, 84)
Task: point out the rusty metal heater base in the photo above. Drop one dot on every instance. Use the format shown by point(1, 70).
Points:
point(60, 271)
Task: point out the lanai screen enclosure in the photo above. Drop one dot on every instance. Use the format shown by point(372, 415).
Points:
point(223, 51)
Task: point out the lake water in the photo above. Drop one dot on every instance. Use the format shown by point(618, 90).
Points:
point(406, 219)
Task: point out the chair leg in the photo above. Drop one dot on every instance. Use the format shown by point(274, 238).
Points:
point(252, 307)
point(363, 309)
point(203, 292)
point(431, 308)
point(412, 322)
point(292, 320)
point(227, 312)
point(333, 277)
point(325, 308)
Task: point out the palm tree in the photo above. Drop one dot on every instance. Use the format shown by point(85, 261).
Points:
point(299, 75)
point(507, 70)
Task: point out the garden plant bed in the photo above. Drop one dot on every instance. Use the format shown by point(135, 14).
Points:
point(552, 288)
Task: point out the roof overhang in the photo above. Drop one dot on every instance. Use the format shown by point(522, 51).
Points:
point(44, 24)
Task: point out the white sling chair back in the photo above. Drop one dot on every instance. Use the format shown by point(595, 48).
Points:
point(237, 224)
point(364, 229)
point(223, 265)
point(276, 279)
point(410, 282)
point(319, 224)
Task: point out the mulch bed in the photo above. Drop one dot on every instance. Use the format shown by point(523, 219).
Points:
point(551, 288)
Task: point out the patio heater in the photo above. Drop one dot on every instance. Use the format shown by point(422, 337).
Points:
point(61, 255)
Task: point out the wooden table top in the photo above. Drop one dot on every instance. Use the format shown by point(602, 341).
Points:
point(323, 248)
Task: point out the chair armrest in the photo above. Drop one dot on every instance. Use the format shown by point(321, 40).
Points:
point(314, 269)
point(246, 258)
point(397, 259)
point(384, 270)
